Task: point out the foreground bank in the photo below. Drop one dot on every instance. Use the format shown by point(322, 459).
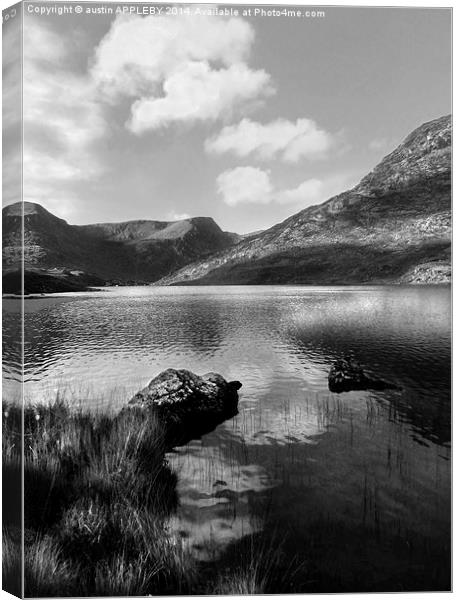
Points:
point(99, 493)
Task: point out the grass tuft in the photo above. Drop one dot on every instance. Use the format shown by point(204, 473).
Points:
point(11, 564)
point(46, 572)
point(98, 492)
point(98, 499)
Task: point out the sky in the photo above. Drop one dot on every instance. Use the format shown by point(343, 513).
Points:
point(247, 119)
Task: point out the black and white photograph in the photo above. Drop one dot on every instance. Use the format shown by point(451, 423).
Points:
point(226, 306)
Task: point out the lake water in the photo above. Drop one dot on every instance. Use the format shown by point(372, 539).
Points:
point(354, 485)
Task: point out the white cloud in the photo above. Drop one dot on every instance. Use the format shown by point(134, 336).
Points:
point(11, 114)
point(168, 70)
point(197, 93)
point(308, 192)
point(315, 191)
point(244, 185)
point(62, 120)
point(178, 69)
point(281, 138)
point(11, 88)
point(138, 52)
point(251, 185)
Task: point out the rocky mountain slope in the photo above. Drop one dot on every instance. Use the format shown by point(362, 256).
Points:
point(394, 226)
point(135, 251)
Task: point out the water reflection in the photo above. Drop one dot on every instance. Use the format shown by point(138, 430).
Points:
point(280, 342)
point(215, 488)
point(360, 473)
point(367, 472)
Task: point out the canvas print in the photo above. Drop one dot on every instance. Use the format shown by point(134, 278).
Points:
point(226, 299)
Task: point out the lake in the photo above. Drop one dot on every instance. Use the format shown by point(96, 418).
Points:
point(355, 487)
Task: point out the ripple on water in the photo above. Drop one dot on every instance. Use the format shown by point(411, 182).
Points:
point(294, 447)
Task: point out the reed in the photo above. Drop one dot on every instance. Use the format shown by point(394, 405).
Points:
point(97, 495)
point(258, 565)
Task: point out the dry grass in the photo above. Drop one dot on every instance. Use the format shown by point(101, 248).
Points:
point(257, 566)
point(97, 495)
point(11, 564)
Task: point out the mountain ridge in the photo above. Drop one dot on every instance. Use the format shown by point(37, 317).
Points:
point(138, 250)
point(400, 206)
point(394, 226)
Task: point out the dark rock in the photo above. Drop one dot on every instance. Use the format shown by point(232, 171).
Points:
point(187, 404)
point(220, 482)
point(346, 374)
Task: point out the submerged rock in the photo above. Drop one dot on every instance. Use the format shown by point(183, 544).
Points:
point(187, 404)
point(346, 374)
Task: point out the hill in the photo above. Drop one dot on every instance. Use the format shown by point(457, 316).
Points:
point(393, 227)
point(130, 252)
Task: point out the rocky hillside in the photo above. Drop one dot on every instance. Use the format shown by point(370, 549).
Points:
point(136, 251)
point(394, 226)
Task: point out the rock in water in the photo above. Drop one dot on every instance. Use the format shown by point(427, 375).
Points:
point(346, 375)
point(188, 405)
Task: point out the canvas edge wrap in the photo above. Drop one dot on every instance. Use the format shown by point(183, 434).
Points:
point(13, 478)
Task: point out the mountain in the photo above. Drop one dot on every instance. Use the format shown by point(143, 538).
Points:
point(393, 227)
point(135, 251)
